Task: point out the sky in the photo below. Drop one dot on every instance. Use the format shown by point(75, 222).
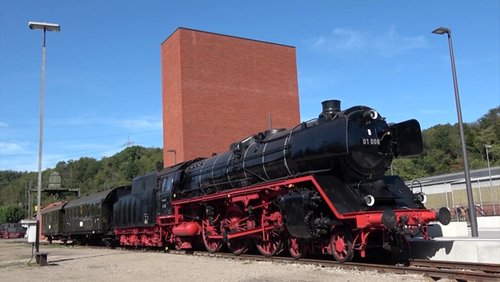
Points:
point(103, 76)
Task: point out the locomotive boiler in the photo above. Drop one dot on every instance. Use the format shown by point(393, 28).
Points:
point(355, 145)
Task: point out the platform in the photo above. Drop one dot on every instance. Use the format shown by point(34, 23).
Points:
point(455, 243)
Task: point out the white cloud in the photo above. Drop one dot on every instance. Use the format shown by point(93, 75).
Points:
point(391, 43)
point(90, 135)
point(137, 124)
point(142, 123)
point(388, 43)
point(19, 164)
point(29, 162)
point(15, 156)
point(340, 38)
point(10, 147)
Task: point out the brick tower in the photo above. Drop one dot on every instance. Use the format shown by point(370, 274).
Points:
point(219, 89)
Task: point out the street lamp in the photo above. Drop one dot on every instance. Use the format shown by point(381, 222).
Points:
point(472, 208)
point(175, 154)
point(489, 172)
point(45, 27)
point(488, 161)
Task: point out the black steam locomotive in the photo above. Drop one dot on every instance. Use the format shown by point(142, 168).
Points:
point(319, 187)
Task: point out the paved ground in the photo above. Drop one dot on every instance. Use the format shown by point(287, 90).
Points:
point(490, 233)
point(91, 264)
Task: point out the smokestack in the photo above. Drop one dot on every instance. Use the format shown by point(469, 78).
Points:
point(331, 107)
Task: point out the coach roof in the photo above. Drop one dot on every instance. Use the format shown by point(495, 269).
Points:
point(91, 199)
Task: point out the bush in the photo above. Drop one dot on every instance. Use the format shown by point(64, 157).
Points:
point(10, 214)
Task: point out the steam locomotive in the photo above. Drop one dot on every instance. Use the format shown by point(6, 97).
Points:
point(319, 187)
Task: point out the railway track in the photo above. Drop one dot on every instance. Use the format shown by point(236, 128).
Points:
point(435, 269)
point(460, 271)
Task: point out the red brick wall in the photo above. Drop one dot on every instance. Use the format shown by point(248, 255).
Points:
point(172, 99)
point(219, 89)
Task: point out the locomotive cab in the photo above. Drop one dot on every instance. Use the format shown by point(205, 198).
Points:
point(171, 186)
point(165, 195)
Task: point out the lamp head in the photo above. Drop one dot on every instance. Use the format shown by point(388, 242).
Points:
point(44, 26)
point(442, 30)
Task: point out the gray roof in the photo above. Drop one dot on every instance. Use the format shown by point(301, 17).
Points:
point(91, 199)
point(53, 208)
point(459, 176)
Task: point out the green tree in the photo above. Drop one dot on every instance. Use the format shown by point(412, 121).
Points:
point(10, 214)
point(443, 149)
point(407, 169)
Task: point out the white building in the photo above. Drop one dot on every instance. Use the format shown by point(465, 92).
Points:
point(449, 190)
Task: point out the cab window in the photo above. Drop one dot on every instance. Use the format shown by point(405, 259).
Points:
point(166, 185)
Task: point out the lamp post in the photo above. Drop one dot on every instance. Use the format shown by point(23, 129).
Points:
point(45, 27)
point(470, 197)
point(488, 161)
point(489, 172)
point(175, 154)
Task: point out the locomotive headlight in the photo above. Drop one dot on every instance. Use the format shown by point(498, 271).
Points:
point(369, 200)
point(421, 198)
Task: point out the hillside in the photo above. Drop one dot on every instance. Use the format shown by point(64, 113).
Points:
point(443, 150)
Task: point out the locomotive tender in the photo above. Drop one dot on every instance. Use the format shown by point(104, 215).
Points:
point(319, 187)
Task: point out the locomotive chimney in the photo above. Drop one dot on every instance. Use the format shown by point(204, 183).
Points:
point(330, 109)
point(331, 106)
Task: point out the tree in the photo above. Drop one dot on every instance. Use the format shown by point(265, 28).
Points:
point(407, 169)
point(10, 214)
